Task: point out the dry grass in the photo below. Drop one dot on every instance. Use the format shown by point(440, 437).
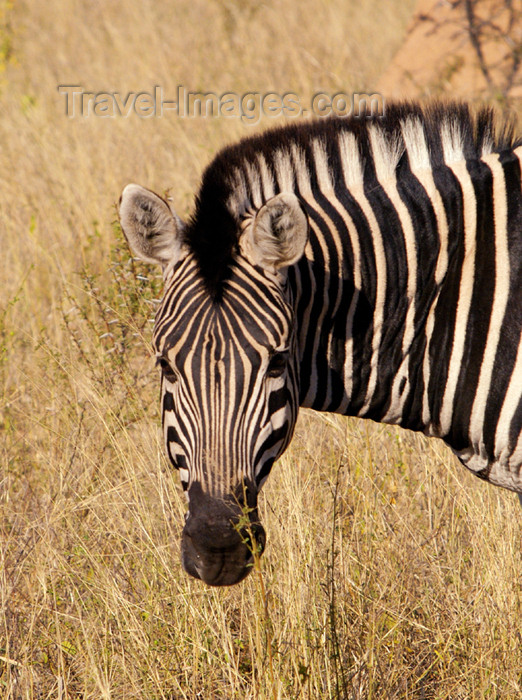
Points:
point(390, 572)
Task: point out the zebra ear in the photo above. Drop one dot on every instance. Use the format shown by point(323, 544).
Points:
point(152, 229)
point(278, 234)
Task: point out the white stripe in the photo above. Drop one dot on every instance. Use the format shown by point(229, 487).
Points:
point(400, 388)
point(386, 157)
point(238, 200)
point(380, 292)
point(419, 158)
point(387, 151)
point(452, 141)
point(500, 298)
point(509, 406)
point(301, 172)
point(322, 172)
point(326, 186)
point(305, 190)
point(465, 289)
point(512, 398)
point(353, 177)
point(416, 145)
point(254, 182)
point(351, 161)
point(380, 284)
point(284, 171)
point(267, 181)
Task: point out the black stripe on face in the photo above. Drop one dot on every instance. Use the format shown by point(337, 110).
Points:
point(264, 471)
point(280, 435)
point(168, 401)
point(278, 399)
point(172, 439)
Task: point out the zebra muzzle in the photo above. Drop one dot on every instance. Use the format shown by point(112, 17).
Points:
point(217, 545)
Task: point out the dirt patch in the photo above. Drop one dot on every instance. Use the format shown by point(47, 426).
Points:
point(470, 49)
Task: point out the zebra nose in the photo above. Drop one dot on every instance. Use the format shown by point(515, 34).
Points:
point(220, 555)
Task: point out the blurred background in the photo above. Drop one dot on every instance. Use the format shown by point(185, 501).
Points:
point(390, 572)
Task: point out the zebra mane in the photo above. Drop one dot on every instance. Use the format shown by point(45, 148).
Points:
point(326, 153)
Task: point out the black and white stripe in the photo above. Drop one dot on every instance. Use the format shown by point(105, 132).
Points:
point(406, 306)
point(228, 396)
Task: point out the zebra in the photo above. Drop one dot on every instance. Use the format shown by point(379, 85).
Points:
point(368, 267)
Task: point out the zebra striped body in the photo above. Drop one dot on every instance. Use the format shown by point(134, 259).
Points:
point(403, 304)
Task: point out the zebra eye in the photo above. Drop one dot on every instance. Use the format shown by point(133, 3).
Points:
point(166, 370)
point(277, 364)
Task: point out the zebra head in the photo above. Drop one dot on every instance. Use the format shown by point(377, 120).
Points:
point(229, 371)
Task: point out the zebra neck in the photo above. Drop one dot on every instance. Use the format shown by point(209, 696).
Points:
point(356, 317)
point(384, 297)
point(363, 296)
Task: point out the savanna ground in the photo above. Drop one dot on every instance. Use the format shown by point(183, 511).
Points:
point(390, 572)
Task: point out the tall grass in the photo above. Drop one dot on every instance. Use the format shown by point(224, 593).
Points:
point(389, 572)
